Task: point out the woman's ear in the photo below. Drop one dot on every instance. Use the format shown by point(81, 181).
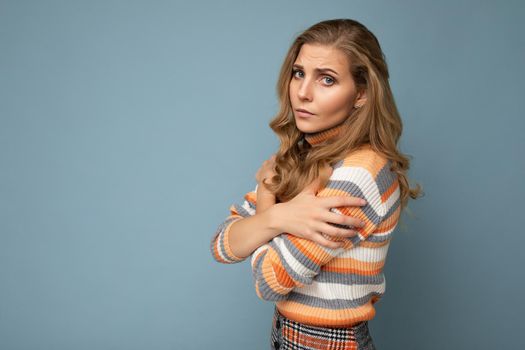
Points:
point(360, 99)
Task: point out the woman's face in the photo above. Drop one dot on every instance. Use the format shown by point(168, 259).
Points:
point(322, 85)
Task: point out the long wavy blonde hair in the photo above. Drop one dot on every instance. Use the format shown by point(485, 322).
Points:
point(377, 122)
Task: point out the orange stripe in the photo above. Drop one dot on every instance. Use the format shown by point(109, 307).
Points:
point(266, 274)
point(233, 211)
point(357, 213)
point(257, 291)
point(257, 258)
point(226, 244)
point(349, 264)
point(281, 275)
point(389, 223)
point(317, 316)
point(389, 191)
point(309, 249)
point(368, 244)
point(366, 158)
point(354, 270)
point(348, 261)
point(269, 274)
point(328, 192)
point(251, 197)
point(216, 252)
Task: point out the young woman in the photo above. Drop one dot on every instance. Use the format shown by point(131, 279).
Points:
point(319, 222)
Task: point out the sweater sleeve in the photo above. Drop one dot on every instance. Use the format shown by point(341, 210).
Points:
point(220, 248)
point(289, 261)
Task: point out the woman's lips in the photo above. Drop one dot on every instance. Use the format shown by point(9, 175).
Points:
point(303, 113)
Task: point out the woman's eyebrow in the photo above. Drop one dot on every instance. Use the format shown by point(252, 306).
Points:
point(316, 69)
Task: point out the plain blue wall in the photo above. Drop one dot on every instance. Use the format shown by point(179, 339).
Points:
point(128, 128)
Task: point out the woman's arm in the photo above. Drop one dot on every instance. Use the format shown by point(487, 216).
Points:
point(288, 261)
point(249, 225)
point(250, 233)
point(243, 230)
point(265, 199)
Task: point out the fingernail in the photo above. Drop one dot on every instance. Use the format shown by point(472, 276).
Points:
point(363, 201)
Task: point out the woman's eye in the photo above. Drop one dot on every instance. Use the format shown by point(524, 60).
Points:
point(329, 78)
point(295, 72)
point(329, 82)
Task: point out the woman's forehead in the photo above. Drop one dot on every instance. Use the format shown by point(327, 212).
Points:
point(321, 56)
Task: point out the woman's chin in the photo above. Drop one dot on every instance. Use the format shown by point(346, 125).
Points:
point(304, 126)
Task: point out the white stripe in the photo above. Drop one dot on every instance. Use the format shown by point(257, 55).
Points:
point(346, 172)
point(250, 210)
point(339, 291)
point(366, 254)
point(392, 199)
point(366, 183)
point(258, 251)
point(296, 266)
point(223, 238)
point(218, 246)
point(386, 233)
point(334, 252)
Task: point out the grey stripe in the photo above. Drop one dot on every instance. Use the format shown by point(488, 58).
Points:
point(297, 254)
point(253, 206)
point(376, 239)
point(221, 229)
point(393, 208)
point(353, 190)
point(266, 292)
point(242, 212)
point(386, 237)
point(348, 279)
point(332, 304)
point(257, 267)
point(287, 267)
point(385, 177)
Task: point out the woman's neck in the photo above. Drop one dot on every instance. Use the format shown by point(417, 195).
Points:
point(318, 137)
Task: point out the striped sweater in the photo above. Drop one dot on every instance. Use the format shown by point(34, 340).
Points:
point(314, 284)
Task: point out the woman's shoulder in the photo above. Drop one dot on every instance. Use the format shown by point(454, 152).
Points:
point(368, 171)
point(365, 157)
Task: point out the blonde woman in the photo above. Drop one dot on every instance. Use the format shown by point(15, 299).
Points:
point(319, 222)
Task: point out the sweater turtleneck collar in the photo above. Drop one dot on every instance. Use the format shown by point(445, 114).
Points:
point(318, 137)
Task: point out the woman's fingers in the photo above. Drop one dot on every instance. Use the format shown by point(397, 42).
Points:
point(343, 219)
point(342, 201)
point(326, 242)
point(336, 231)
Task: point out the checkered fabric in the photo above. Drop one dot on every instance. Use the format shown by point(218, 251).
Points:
point(287, 334)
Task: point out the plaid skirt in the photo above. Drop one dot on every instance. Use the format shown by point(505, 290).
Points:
point(287, 334)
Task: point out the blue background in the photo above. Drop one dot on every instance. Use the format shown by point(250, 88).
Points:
point(128, 128)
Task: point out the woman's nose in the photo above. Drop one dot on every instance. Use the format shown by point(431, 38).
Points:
point(305, 91)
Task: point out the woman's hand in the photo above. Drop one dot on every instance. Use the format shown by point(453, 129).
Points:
point(266, 171)
point(307, 216)
point(265, 198)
